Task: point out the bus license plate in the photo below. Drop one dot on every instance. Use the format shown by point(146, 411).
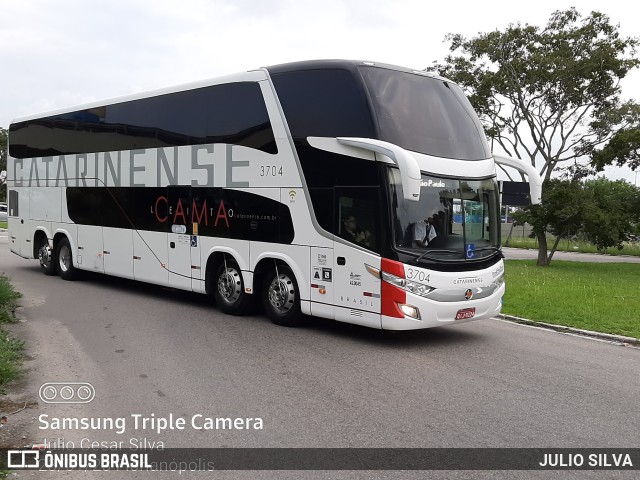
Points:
point(465, 313)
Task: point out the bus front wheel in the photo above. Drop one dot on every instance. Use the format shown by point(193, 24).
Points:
point(65, 260)
point(281, 297)
point(228, 289)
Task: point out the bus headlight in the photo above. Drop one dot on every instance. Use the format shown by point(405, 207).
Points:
point(407, 285)
point(410, 311)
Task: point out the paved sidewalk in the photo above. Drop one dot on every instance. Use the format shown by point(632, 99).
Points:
point(526, 254)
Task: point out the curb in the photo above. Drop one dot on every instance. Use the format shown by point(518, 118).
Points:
point(618, 339)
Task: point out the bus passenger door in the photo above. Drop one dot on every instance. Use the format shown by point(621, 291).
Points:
point(357, 289)
point(179, 236)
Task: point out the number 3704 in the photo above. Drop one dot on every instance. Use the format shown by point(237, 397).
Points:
point(270, 171)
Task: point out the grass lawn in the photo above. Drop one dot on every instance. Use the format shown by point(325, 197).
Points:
point(3, 224)
point(10, 349)
point(603, 297)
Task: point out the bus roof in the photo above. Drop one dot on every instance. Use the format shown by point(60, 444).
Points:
point(341, 64)
point(251, 75)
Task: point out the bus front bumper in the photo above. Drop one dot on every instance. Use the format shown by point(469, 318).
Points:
point(438, 314)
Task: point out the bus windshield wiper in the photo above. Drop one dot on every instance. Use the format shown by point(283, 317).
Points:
point(436, 250)
point(492, 249)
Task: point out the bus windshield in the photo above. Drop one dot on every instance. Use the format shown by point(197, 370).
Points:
point(454, 219)
point(424, 114)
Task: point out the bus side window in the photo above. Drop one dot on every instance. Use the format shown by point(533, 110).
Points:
point(357, 216)
point(13, 203)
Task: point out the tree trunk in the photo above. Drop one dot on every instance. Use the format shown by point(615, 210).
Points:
point(553, 250)
point(543, 260)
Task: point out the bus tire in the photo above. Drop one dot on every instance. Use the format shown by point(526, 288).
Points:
point(65, 260)
point(47, 258)
point(228, 289)
point(281, 297)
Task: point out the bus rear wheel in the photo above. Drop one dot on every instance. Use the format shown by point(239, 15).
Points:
point(47, 258)
point(65, 260)
point(281, 297)
point(228, 289)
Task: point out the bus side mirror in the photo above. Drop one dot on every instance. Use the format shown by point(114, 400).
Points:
point(407, 163)
point(535, 181)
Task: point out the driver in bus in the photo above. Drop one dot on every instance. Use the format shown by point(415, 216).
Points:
point(353, 233)
point(424, 232)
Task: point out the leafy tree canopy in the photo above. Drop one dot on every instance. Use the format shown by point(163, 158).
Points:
point(614, 215)
point(601, 211)
point(550, 94)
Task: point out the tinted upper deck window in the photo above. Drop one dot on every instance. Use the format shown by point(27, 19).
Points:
point(228, 113)
point(324, 103)
point(425, 114)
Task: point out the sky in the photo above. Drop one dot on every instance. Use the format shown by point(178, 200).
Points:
point(56, 54)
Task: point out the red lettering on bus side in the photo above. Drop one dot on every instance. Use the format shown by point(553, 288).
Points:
point(180, 213)
point(196, 217)
point(222, 213)
point(161, 220)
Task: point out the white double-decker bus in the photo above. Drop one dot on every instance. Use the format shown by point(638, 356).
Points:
point(355, 191)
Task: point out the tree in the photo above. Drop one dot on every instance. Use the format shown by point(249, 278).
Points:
point(564, 207)
point(551, 95)
point(3, 162)
point(602, 211)
point(624, 146)
point(615, 215)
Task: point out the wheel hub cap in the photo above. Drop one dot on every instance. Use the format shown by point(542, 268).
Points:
point(44, 256)
point(281, 295)
point(229, 285)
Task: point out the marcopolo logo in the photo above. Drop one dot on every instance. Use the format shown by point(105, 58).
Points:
point(67, 392)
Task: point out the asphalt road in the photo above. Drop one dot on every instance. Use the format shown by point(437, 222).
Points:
point(158, 352)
